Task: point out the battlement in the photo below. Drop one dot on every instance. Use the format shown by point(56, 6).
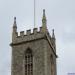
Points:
point(32, 36)
point(28, 32)
point(35, 34)
point(22, 33)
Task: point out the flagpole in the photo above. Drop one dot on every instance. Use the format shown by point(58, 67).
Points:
point(34, 14)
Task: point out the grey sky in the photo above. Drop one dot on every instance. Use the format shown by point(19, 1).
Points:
point(60, 16)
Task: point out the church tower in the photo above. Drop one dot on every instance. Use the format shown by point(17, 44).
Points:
point(33, 53)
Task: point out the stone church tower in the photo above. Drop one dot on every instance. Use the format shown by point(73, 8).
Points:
point(33, 53)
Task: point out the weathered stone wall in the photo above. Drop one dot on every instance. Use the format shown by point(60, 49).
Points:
point(38, 50)
point(50, 51)
point(42, 48)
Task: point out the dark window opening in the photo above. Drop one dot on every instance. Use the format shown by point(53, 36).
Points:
point(28, 62)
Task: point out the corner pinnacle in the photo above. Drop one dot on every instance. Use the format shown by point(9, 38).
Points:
point(53, 35)
point(44, 21)
point(44, 17)
point(14, 20)
point(14, 25)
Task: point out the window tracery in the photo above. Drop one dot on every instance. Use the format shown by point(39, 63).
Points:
point(28, 62)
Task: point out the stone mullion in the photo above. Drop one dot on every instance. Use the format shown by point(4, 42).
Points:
point(31, 65)
point(27, 64)
point(29, 68)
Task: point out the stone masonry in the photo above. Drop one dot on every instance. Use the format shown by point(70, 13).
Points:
point(43, 48)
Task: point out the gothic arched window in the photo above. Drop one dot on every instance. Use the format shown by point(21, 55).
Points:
point(28, 62)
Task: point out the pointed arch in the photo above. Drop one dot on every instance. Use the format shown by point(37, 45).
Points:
point(28, 62)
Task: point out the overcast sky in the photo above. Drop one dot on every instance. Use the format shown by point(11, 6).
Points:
point(60, 16)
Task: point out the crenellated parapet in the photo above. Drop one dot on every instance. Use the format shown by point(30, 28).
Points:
point(34, 35)
point(33, 51)
point(28, 32)
point(29, 36)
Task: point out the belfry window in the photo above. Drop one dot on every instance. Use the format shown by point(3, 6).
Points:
point(28, 62)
